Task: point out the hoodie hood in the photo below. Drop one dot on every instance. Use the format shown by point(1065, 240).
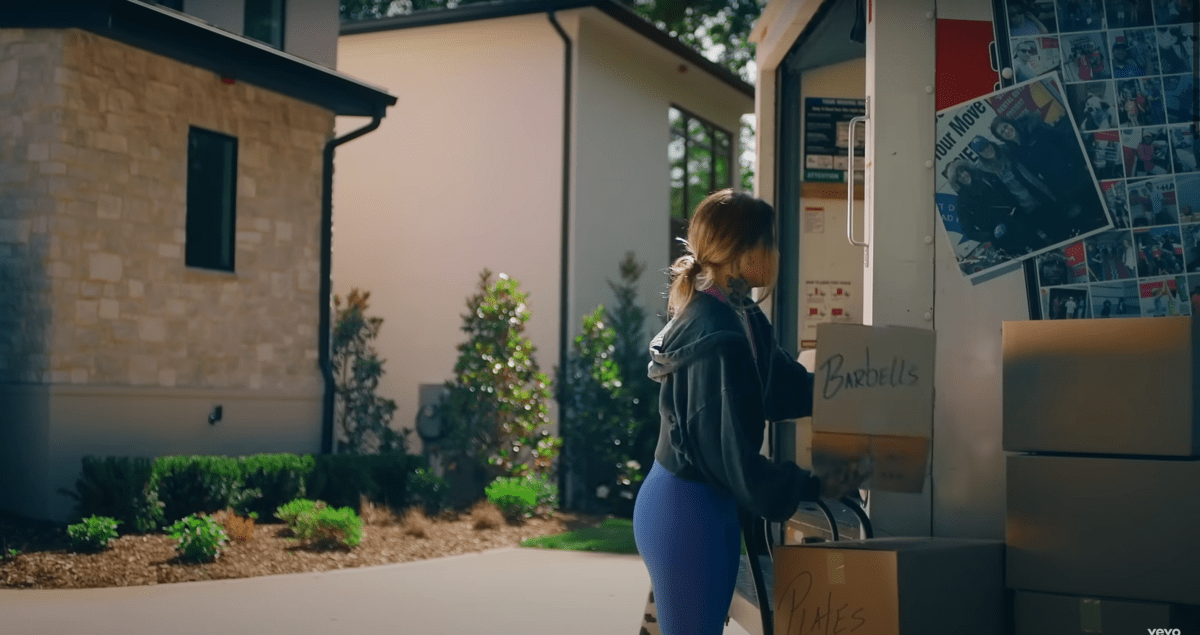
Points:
point(702, 325)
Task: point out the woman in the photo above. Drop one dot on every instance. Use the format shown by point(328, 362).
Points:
point(723, 377)
point(1028, 190)
point(986, 210)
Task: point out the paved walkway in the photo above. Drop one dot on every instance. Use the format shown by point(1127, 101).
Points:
point(511, 591)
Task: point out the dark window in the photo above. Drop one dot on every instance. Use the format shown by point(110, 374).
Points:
point(172, 4)
point(211, 216)
point(264, 21)
point(700, 155)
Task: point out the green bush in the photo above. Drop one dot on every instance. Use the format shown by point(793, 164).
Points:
point(429, 490)
point(328, 527)
point(93, 534)
point(289, 512)
point(201, 539)
point(200, 485)
point(521, 496)
point(120, 488)
point(341, 479)
point(496, 407)
point(279, 478)
point(610, 419)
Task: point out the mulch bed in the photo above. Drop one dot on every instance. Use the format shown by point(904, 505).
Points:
point(45, 562)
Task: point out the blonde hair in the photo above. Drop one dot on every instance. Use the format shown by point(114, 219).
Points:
point(728, 228)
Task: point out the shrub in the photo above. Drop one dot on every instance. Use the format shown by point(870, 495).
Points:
point(201, 538)
point(343, 479)
point(376, 515)
point(327, 527)
point(416, 524)
point(120, 488)
point(515, 496)
point(291, 511)
point(497, 404)
point(428, 490)
point(200, 485)
point(610, 420)
point(238, 528)
point(278, 478)
point(93, 534)
point(362, 418)
point(486, 516)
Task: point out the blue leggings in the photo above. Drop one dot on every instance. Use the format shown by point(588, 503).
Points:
point(690, 538)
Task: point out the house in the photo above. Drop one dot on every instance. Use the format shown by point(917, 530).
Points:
point(543, 140)
point(164, 223)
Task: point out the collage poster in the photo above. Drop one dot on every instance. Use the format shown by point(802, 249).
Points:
point(1129, 72)
point(1013, 180)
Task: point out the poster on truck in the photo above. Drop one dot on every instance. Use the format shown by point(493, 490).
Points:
point(1128, 69)
point(1013, 180)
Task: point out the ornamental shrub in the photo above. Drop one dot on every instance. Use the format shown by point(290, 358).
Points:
point(201, 538)
point(328, 527)
point(93, 534)
point(496, 407)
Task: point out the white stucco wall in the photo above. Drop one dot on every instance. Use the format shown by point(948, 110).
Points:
point(624, 88)
point(464, 173)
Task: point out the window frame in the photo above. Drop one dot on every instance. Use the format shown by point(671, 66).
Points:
point(711, 130)
point(197, 256)
point(282, 24)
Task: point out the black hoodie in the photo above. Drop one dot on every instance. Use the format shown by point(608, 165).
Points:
point(713, 408)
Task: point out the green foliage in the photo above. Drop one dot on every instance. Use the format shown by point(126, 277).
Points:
point(522, 496)
point(512, 496)
point(201, 485)
point(289, 512)
point(120, 488)
point(93, 534)
point(498, 400)
point(610, 407)
point(362, 418)
point(429, 490)
point(201, 539)
point(277, 478)
point(342, 479)
point(328, 527)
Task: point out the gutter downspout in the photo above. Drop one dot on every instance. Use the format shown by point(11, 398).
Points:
point(324, 330)
point(563, 286)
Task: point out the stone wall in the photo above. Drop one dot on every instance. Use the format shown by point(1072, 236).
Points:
point(30, 107)
point(104, 158)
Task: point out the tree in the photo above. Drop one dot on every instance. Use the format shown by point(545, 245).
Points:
point(610, 405)
point(362, 418)
point(497, 405)
point(718, 28)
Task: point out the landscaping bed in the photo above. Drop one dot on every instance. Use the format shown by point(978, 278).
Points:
point(45, 561)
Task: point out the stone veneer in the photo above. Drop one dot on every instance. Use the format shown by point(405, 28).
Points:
point(93, 177)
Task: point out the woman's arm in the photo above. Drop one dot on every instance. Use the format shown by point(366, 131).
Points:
point(727, 427)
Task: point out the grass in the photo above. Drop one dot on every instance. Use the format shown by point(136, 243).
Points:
point(615, 535)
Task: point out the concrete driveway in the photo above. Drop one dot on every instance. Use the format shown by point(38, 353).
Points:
point(511, 591)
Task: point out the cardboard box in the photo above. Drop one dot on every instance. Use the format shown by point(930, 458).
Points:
point(874, 395)
point(890, 586)
point(899, 462)
point(1105, 527)
point(1051, 614)
point(1106, 386)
